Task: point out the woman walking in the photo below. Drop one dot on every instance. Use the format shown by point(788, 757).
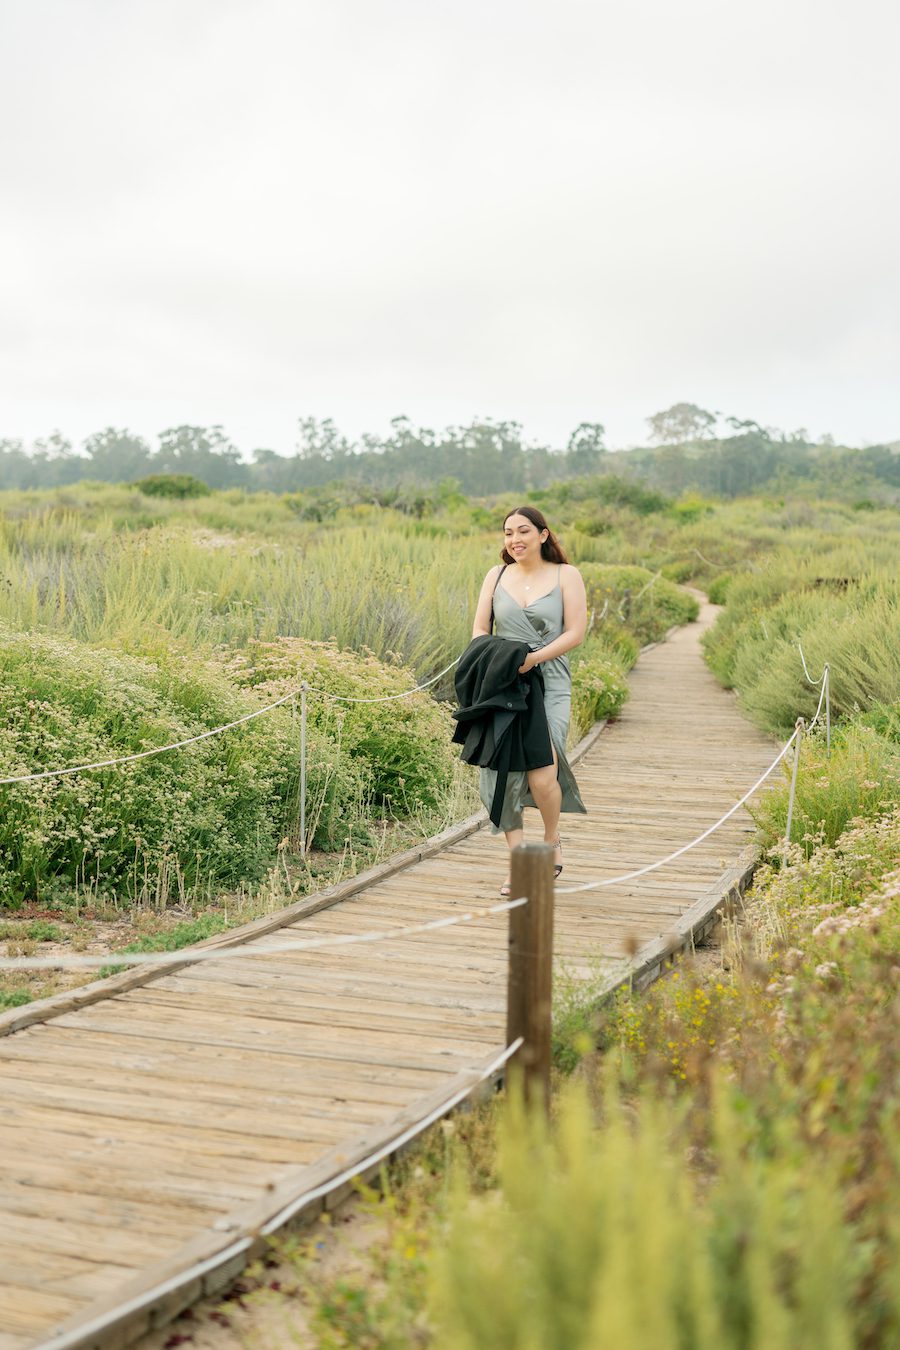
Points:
point(536, 597)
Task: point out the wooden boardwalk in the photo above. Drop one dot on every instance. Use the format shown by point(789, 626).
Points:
point(147, 1131)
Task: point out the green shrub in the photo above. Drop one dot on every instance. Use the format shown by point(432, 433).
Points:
point(683, 569)
point(860, 778)
point(14, 998)
point(718, 588)
point(177, 485)
point(403, 745)
point(42, 931)
point(210, 814)
point(802, 1029)
point(180, 935)
point(856, 631)
point(617, 642)
point(690, 506)
point(649, 604)
point(599, 685)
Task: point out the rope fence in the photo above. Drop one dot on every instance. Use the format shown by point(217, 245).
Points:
point(685, 848)
point(720, 567)
point(825, 681)
point(89, 961)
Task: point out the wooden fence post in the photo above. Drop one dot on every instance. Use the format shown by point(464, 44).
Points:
point(530, 991)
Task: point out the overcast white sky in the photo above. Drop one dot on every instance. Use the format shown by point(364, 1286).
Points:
point(245, 211)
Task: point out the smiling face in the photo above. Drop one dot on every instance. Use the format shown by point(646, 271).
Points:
point(523, 539)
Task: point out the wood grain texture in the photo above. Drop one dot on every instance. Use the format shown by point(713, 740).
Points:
point(149, 1121)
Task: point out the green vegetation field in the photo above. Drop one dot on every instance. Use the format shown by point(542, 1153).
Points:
point(723, 1166)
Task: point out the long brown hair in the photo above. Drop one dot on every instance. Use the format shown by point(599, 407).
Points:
point(551, 549)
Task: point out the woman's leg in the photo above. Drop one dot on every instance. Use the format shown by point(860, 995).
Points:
point(547, 794)
point(513, 839)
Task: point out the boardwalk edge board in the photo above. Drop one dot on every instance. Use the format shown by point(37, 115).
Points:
point(155, 1298)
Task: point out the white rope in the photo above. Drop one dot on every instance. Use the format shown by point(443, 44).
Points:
point(651, 867)
point(655, 577)
point(190, 955)
point(145, 754)
point(822, 695)
point(720, 567)
point(806, 670)
point(216, 731)
point(633, 598)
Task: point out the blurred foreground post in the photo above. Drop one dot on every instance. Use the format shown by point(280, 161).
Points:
point(530, 994)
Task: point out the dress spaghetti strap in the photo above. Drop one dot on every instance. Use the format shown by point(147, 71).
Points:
point(503, 568)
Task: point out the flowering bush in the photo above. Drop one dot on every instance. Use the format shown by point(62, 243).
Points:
point(599, 688)
point(860, 778)
point(213, 812)
point(403, 745)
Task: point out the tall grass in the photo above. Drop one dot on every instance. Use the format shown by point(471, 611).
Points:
point(387, 589)
point(852, 623)
point(603, 1239)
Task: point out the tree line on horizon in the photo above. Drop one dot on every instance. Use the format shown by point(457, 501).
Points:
point(686, 453)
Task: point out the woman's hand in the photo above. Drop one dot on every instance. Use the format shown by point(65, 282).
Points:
point(530, 662)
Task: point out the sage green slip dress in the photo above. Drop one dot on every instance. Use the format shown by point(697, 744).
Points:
point(538, 623)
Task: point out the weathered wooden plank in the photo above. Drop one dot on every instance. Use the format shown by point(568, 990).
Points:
point(311, 1099)
point(72, 1278)
point(59, 1237)
point(325, 991)
point(18, 1018)
point(189, 1138)
point(10, 1342)
point(212, 1062)
point(205, 1170)
point(111, 1185)
point(395, 1018)
point(26, 1312)
point(285, 1121)
point(379, 1045)
point(156, 1214)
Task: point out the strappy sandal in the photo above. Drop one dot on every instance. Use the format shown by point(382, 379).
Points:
point(557, 867)
point(506, 889)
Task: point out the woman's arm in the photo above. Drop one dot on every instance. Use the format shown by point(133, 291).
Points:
point(484, 608)
point(574, 620)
